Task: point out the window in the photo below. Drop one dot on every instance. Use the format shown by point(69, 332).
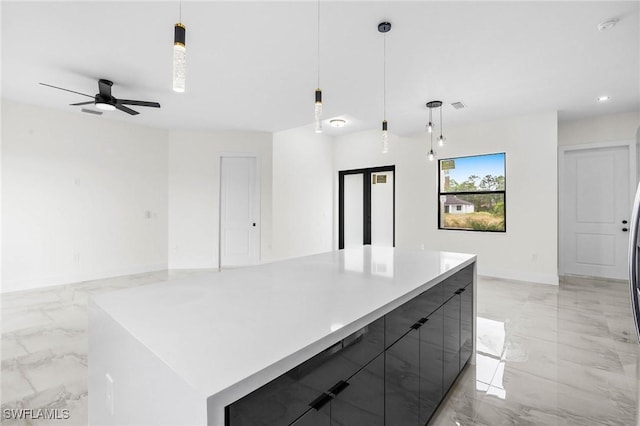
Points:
point(471, 193)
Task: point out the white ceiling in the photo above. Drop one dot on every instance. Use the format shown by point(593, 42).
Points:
point(252, 65)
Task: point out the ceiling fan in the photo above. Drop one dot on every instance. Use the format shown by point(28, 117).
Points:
point(105, 101)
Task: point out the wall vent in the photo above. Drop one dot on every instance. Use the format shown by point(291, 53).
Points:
point(458, 105)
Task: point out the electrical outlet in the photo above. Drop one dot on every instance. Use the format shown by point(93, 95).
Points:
point(109, 393)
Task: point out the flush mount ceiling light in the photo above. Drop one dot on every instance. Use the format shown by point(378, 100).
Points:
point(608, 24)
point(430, 127)
point(603, 98)
point(105, 106)
point(318, 94)
point(384, 28)
point(337, 122)
point(179, 55)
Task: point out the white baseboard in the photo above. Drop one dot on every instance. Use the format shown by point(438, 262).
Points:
point(530, 277)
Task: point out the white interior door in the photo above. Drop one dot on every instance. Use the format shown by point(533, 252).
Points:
point(596, 203)
point(382, 209)
point(353, 210)
point(239, 211)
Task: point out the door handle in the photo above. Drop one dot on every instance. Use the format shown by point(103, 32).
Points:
point(624, 229)
point(254, 224)
point(624, 222)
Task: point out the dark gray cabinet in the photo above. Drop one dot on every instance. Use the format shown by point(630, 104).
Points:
point(451, 340)
point(402, 380)
point(359, 400)
point(466, 324)
point(399, 321)
point(362, 401)
point(286, 398)
point(431, 365)
point(393, 372)
point(314, 418)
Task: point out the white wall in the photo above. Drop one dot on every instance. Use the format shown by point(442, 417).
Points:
point(302, 193)
point(603, 128)
point(76, 191)
point(194, 172)
point(528, 250)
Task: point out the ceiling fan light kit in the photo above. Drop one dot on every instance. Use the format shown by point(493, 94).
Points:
point(103, 100)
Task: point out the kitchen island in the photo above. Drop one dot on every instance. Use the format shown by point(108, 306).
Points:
point(251, 345)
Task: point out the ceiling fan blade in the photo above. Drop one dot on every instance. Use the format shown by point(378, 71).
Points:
point(82, 103)
point(67, 90)
point(127, 110)
point(140, 103)
point(104, 86)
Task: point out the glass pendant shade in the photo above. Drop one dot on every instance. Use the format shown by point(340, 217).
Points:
point(318, 111)
point(385, 138)
point(431, 155)
point(179, 58)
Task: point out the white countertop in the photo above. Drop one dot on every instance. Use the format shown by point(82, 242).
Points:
point(229, 332)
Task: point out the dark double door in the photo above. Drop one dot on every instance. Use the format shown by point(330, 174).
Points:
point(366, 207)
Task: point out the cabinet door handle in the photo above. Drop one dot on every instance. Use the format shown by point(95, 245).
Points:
point(462, 289)
point(416, 325)
point(338, 387)
point(423, 320)
point(320, 401)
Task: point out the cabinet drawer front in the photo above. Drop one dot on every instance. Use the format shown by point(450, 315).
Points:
point(457, 281)
point(399, 321)
point(342, 360)
point(278, 403)
point(285, 398)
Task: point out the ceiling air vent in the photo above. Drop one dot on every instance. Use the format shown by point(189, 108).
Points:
point(458, 105)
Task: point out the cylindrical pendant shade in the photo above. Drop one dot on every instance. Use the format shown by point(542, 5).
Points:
point(179, 58)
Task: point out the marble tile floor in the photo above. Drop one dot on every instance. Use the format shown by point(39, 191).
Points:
point(546, 355)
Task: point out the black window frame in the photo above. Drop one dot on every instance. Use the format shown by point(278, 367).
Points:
point(463, 193)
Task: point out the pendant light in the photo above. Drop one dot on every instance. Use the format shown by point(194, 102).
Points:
point(431, 105)
point(179, 55)
point(318, 94)
point(384, 28)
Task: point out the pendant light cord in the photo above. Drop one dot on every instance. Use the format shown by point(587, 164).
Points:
point(318, 13)
point(431, 121)
point(441, 120)
point(384, 76)
point(180, 12)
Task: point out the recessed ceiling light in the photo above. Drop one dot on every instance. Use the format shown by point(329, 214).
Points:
point(608, 24)
point(337, 122)
point(603, 98)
